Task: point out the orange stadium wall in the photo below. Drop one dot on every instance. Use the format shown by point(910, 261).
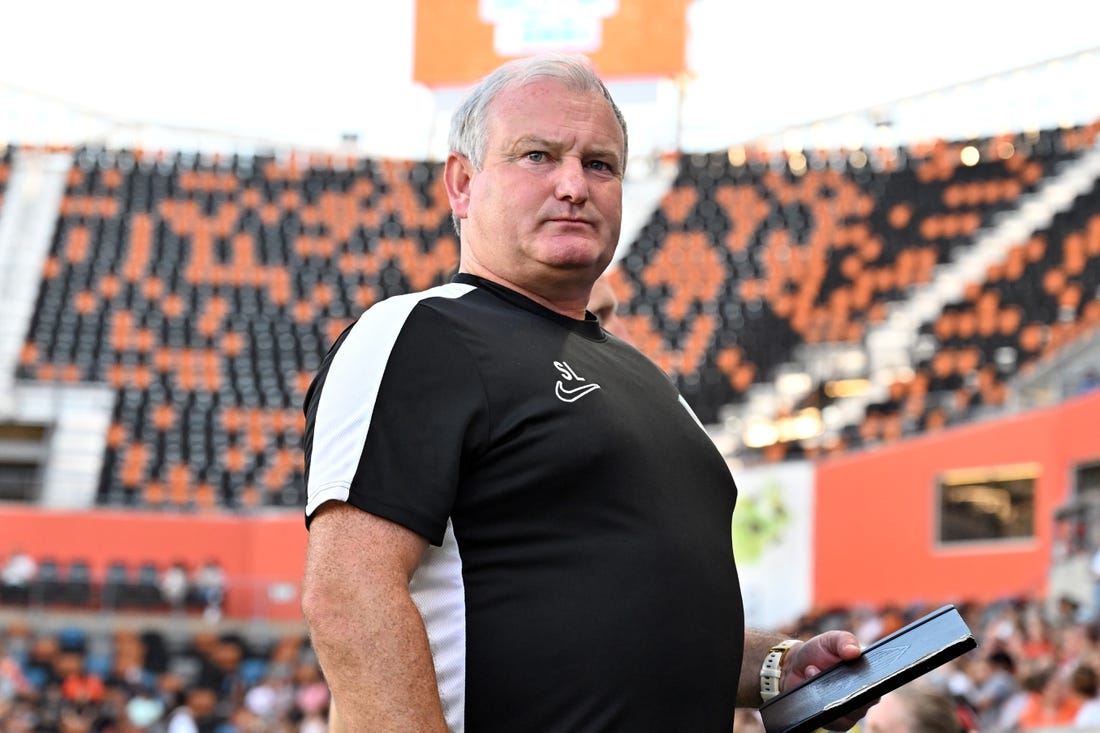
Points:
point(874, 528)
point(257, 553)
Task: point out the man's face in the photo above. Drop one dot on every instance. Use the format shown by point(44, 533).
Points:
point(544, 211)
point(605, 305)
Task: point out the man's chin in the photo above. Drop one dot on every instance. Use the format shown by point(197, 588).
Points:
point(578, 255)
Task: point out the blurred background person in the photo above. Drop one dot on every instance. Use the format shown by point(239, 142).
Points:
point(1050, 703)
point(209, 589)
point(16, 577)
point(174, 586)
point(915, 708)
point(1084, 684)
point(604, 304)
point(995, 684)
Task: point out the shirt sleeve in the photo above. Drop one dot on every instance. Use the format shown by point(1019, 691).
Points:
point(392, 412)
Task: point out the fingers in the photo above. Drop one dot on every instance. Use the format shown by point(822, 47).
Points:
point(846, 645)
point(820, 653)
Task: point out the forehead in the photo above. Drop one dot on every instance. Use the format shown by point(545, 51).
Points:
point(888, 715)
point(550, 109)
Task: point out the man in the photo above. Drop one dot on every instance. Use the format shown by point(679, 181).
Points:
point(516, 523)
point(17, 576)
point(604, 304)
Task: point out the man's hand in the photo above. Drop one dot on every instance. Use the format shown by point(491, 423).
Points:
point(818, 654)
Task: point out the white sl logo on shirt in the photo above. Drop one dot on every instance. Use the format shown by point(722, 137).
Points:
point(571, 387)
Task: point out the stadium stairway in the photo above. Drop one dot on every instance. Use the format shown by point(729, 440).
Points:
point(889, 345)
point(78, 414)
point(26, 225)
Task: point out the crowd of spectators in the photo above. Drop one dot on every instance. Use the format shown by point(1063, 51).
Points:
point(1035, 668)
point(161, 679)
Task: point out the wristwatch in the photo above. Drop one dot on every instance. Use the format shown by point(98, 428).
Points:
point(772, 668)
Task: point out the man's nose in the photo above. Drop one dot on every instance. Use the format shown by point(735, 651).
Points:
point(572, 185)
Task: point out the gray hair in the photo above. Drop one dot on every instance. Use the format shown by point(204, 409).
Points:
point(469, 125)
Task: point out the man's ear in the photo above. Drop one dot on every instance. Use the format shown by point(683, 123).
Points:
point(457, 175)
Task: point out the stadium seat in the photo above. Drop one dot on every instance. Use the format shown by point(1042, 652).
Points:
point(78, 583)
point(47, 588)
point(115, 591)
point(145, 590)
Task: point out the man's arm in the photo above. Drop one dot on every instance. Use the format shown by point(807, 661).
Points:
point(368, 635)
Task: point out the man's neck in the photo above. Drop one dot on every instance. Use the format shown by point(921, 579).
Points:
point(571, 305)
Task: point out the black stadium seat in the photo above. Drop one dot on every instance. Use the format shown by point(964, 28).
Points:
point(78, 584)
point(47, 588)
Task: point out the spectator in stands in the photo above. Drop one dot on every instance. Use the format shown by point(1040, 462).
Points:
point(1031, 683)
point(78, 685)
point(1051, 703)
point(144, 708)
point(1078, 646)
point(209, 589)
point(271, 699)
point(174, 586)
point(311, 698)
point(16, 577)
point(196, 712)
point(1094, 571)
point(19, 716)
point(1037, 646)
point(915, 708)
point(13, 682)
point(498, 440)
point(1085, 685)
point(995, 685)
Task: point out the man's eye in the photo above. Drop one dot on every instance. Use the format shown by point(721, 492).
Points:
point(601, 166)
point(536, 156)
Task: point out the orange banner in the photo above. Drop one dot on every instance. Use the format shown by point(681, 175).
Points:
point(458, 41)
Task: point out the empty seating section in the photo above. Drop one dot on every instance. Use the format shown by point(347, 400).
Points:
point(74, 583)
point(206, 291)
point(752, 252)
point(1046, 293)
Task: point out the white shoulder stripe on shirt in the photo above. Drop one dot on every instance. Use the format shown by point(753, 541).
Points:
point(350, 390)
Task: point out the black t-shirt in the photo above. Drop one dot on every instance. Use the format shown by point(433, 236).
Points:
point(581, 576)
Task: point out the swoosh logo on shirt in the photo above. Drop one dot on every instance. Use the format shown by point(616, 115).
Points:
point(572, 395)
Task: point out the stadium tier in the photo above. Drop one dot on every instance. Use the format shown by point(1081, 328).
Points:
point(751, 255)
point(205, 290)
point(1046, 294)
point(205, 293)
